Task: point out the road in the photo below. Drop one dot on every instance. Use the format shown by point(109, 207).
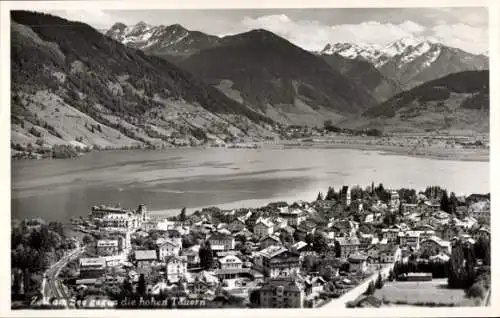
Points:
point(358, 290)
point(52, 287)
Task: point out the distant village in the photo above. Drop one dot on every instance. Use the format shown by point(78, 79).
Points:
point(300, 255)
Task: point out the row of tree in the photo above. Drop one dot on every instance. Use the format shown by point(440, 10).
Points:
point(34, 246)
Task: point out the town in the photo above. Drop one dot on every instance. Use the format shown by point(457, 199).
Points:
point(355, 247)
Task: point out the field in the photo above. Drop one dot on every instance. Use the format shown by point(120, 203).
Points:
point(431, 293)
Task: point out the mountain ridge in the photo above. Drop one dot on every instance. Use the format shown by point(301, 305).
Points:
point(68, 81)
point(269, 71)
point(456, 101)
point(412, 60)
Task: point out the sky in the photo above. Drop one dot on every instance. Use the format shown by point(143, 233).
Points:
point(312, 29)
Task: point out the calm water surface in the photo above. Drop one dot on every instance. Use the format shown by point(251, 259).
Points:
point(168, 180)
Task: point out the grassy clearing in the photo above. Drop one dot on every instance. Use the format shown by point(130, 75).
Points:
point(432, 293)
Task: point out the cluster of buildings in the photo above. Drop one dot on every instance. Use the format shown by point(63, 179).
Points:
point(260, 254)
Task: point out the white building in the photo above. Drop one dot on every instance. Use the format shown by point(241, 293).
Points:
point(230, 262)
point(176, 267)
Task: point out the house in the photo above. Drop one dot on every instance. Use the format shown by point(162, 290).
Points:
point(369, 218)
point(409, 208)
point(145, 258)
point(176, 267)
point(480, 209)
point(394, 201)
point(107, 247)
point(348, 245)
point(279, 223)
point(305, 228)
point(269, 240)
point(365, 240)
point(390, 254)
point(410, 239)
point(358, 263)
point(237, 225)
point(281, 293)
point(224, 231)
point(288, 230)
point(244, 233)
point(314, 286)
point(192, 255)
point(263, 228)
point(293, 217)
point(390, 234)
point(169, 248)
point(278, 261)
point(373, 253)
point(434, 245)
point(449, 231)
point(230, 262)
point(220, 242)
point(149, 225)
point(482, 232)
point(93, 267)
point(431, 206)
point(345, 196)
point(303, 249)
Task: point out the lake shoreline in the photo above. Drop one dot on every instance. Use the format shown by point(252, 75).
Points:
point(480, 155)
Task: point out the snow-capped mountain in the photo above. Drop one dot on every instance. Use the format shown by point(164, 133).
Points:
point(162, 40)
point(368, 52)
point(412, 60)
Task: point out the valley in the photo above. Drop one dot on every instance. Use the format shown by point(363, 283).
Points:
point(158, 87)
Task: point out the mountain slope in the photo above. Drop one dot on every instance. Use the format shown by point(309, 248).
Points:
point(364, 74)
point(411, 61)
point(72, 85)
point(458, 101)
point(173, 42)
point(428, 61)
point(275, 76)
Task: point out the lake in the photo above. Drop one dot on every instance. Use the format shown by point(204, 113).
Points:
point(168, 180)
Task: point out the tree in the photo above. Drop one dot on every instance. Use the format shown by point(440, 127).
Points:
point(141, 285)
point(338, 249)
point(320, 197)
point(182, 216)
point(309, 263)
point(382, 194)
point(327, 124)
point(379, 283)
point(487, 256)
point(461, 267)
point(327, 272)
point(371, 289)
point(391, 274)
point(330, 194)
point(445, 202)
point(286, 237)
point(127, 286)
point(480, 247)
point(357, 193)
point(320, 243)
point(309, 239)
point(206, 255)
point(475, 290)
point(453, 203)
point(187, 241)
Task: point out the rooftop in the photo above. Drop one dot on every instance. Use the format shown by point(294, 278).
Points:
point(287, 285)
point(143, 255)
point(272, 251)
